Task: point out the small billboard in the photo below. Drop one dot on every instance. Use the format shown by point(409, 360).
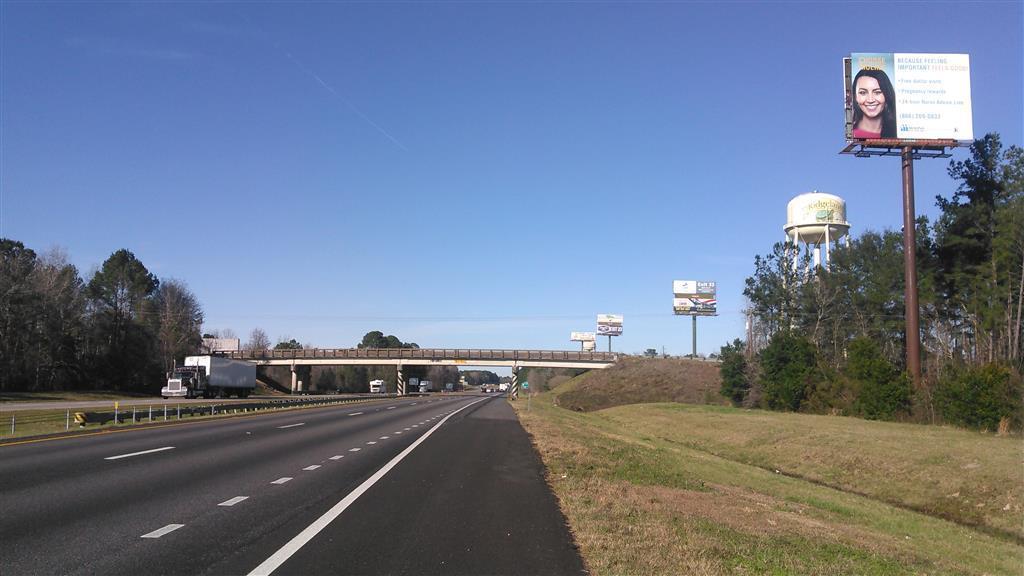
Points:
point(581, 336)
point(908, 96)
point(589, 346)
point(609, 324)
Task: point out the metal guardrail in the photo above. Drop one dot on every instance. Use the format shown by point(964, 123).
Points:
point(422, 354)
point(56, 421)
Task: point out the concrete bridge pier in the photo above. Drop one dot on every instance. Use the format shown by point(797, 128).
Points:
point(401, 381)
point(513, 388)
point(295, 379)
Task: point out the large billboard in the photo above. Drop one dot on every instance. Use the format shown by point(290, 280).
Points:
point(581, 336)
point(908, 96)
point(694, 298)
point(609, 324)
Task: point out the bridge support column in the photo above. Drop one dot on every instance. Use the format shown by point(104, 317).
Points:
point(513, 388)
point(401, 381)
point(295, 380)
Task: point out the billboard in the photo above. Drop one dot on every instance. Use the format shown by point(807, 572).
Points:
point(908, 96)
point(609, 324)
point(581, 337)
point(589, 346)
point(694, 297)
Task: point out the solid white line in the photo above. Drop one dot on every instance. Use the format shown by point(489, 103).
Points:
point(233, 501)
point(281, 480)
point(355, 413)
point(338, 457)
point(313, 467)
point(165, 530)
point(288, 550)
point(139, 454)
point(354, 449)
point(291, 426)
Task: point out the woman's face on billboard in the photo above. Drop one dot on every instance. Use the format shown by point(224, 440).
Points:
point(869, 95)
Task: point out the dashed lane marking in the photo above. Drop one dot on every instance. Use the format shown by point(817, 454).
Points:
point(338, 457)
point(139, 454)
point(313, 467)
point(371, 442)
point(354, 449)
point(383, 437)
point(291, 426)
point(282, 480)
point(163, 531)
point(233, 501)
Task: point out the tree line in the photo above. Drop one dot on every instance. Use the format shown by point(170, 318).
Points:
point(832, 341)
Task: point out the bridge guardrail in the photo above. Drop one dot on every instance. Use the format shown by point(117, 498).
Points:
point(423, 354)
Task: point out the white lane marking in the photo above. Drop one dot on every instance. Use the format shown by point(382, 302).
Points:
point(413, 404)
point(163, 531)
point(233, 501)
point(313, 467)
point(415, 425)
point(140, 454)
point(397, 432)
point(371, 442)
point(383, 437)
point(355, 413)
point(354, 449)
point(288, 550)
point(281, 480)
point(391, 407)
point(291, 426)
point(338, 457)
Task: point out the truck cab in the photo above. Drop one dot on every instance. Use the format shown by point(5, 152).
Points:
point(184, 382)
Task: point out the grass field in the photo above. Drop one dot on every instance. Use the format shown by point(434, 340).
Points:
point(684, 489)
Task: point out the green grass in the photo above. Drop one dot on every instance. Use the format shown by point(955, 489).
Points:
point(667, 489)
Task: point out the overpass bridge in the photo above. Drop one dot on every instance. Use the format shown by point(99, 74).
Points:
point(400, 357)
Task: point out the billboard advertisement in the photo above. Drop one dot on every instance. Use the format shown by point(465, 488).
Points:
point(908, 96)
point(589, 346)
point(693, 287)
point(581, 336)
point(694, 297)
point(609, 324)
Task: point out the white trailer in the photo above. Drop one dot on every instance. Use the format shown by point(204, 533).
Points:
point(377, 387)
point(211, 376)
point(426, 386)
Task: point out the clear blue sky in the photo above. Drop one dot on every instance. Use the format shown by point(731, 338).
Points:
point(458, 174)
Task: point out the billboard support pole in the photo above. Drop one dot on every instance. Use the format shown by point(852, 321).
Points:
point(908, 151)
point(913, 327)
point(694, 335)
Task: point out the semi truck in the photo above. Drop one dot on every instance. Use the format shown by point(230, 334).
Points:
point(210, 376)
point(377, 387)
point(426, 386)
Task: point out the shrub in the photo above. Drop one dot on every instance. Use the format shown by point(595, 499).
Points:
point(733, 370)
point(787, 371)
point(882, 392)
point(979, 397)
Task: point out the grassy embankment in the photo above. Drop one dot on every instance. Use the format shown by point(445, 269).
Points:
point(676, 489)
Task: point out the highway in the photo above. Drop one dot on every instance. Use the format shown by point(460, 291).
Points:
point(441, 485)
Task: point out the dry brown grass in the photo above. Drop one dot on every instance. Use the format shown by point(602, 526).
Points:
point(635, 380)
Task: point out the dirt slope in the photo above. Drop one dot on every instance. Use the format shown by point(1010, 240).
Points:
point(641, 380)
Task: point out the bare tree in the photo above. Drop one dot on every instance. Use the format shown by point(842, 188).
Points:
point(180, 317)
point(258, 340)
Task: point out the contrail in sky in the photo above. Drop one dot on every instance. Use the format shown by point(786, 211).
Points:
point(327, 86)
point(342, 98)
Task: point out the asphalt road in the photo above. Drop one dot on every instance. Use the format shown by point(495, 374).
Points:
point(406, 486)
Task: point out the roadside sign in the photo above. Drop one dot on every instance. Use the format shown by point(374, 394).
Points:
point(526, 385)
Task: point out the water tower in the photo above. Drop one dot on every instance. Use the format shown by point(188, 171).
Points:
point(816, 219)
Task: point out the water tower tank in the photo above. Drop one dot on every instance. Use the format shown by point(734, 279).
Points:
point(815, 218)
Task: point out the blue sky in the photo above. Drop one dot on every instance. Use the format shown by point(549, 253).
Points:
point(458, 174)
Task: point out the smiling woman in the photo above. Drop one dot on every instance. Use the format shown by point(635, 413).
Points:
point(874, 115)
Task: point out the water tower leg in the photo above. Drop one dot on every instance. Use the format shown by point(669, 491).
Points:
point(694, 335)
point(828, 246)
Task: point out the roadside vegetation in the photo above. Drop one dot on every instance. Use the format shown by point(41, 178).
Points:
point(832, 341)
point(680, 489)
